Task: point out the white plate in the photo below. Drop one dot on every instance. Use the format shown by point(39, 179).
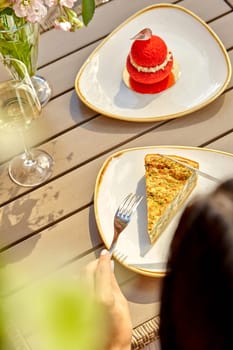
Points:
point(123, 173)
point(204, 65)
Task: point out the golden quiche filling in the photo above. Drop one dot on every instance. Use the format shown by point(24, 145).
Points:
point(168, 184)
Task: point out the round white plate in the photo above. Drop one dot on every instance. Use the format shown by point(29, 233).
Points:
point(205, 68)
point(123, 173)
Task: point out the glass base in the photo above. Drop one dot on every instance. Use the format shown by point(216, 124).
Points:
point(31, 172)
point(43, 89)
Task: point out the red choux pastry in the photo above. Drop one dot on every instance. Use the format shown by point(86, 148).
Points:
point(149, 63)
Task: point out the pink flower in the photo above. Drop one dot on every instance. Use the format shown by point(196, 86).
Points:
point(66, 26)
point(20, 9)
point(33, 10)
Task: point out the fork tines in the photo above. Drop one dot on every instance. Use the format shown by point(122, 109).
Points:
point(129, 204)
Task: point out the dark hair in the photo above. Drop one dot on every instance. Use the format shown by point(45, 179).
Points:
point(197, 293)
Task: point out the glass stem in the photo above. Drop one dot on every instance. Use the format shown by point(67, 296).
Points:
point(29, 161)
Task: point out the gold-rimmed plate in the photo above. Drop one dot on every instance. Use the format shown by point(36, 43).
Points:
point(205, 68)
point(122, 173)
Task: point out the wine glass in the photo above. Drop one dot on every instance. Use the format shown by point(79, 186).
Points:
point(19, 105)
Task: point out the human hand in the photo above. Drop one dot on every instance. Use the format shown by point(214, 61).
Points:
point(102, 279)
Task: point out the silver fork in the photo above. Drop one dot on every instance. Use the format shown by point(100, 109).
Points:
point(123, 216)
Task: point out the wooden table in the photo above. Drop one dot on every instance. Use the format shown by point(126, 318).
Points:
point(52, 228)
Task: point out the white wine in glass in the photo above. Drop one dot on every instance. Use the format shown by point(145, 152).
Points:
point(19, 106)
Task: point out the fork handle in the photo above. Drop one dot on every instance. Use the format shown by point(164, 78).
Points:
point(111, 249)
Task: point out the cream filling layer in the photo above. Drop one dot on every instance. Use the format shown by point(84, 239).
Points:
point(151, 69)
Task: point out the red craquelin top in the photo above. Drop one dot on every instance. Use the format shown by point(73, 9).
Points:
point(149, 61)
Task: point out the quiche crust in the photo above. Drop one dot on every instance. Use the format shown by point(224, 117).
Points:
point(168, 184)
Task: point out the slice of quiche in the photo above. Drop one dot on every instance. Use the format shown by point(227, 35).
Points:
point(168, 183)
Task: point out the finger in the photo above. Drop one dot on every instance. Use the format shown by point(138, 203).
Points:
point(115, 285)
point(103, 278)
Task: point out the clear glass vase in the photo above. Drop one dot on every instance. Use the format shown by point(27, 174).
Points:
point(20, 39)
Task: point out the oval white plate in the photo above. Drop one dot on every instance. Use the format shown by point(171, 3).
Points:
point(123, 173)
point(204, 65)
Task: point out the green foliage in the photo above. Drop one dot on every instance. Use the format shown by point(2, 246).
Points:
point(63, 313)
point(65, 316)
point(88, 9)
point(70, 319)
point(1, 328)
point(19, 39)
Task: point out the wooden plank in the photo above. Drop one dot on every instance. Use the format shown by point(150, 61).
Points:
point(59, 115)
point(142, 293)
point(224, 144)
point(35, 345)
point(29, 253)
point(54, 247)
point(55, 44)
point(62, 79)
point(62, 112)
point(61, 74)
point(20, 280)
point(74, 148)
point(59, 247)
point(221, 27)
point(137, 289)
point(55, 200)
point(207, 9)
point(230, 2)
